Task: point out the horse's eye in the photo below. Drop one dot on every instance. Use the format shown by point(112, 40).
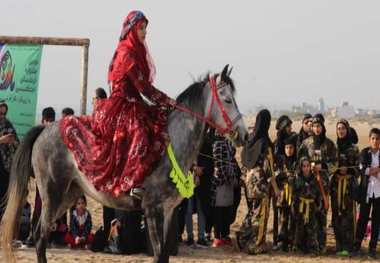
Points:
point(229, 101)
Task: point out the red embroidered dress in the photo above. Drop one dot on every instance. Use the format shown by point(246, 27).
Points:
point(119, 145)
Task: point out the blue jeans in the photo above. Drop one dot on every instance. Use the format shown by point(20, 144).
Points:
point(189, 219)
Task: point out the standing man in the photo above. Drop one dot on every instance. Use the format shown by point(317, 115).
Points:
point(48, 116)
point(369, 192)
point(204, 190)
point(8, 144)
point(67, 112)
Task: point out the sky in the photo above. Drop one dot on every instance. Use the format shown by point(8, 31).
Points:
point(283, 52)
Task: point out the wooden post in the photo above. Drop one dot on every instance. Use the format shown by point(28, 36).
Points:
point(55, 41)
point(58, 41)
point(84, 73)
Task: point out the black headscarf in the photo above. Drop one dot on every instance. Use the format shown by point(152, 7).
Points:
point(300, 172)
point(319, 139)
point(262, 124)
point(292, 140)
point(259, 140)
point(281, 124)
point(302, 134)
point(350, 139)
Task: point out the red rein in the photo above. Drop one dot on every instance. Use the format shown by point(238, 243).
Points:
point(215, 97)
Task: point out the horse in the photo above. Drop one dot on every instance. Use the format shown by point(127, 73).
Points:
point(43, 155)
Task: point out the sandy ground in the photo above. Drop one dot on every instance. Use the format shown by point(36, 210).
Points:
point(212, 255)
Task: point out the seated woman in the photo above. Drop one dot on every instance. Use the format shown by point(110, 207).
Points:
point(126, 136)
point(79, 235)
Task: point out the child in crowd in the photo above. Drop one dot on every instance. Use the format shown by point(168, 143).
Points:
point(287, 164)
point(80, 235)
point(369, 193)
point(306, 194)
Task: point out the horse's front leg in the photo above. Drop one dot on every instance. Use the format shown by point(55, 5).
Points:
point(170, 229)
point(155, 220)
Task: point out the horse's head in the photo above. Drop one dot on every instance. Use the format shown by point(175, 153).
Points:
point(223, 109)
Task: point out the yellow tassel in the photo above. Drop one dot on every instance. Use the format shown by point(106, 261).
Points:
point(354, 217)
point(288, 193)
point(305, 203)
point(286, 189)
point(263, 212)
point(342, 188)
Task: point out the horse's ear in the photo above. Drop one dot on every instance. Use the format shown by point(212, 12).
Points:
point(224, 71)
point(229, 72)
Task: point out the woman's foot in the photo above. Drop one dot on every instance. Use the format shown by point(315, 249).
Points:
point(217, 242)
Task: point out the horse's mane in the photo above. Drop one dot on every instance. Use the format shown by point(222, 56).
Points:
point(193, 93)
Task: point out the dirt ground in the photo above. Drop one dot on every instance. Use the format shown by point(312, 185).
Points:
point(211, 255)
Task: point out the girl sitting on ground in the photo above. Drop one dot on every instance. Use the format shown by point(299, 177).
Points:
point(80, 235)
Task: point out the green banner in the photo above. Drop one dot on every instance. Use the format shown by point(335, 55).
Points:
point(19, 76)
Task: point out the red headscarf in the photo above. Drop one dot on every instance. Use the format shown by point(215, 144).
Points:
point(131, 51)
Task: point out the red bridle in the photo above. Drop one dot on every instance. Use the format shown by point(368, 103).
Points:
point(215, 97)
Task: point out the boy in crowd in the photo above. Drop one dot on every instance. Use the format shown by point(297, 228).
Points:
point(369, 192)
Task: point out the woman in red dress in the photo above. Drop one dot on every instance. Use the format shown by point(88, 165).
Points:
point(126, 136)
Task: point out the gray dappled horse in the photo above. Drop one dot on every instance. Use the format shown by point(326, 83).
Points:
point(44, 156)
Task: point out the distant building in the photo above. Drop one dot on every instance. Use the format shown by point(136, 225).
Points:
point(361, 112)
point(346, 111)
point(372, 113)
point(322, 106)
point(304, 108)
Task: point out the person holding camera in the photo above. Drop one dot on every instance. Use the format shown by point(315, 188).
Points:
point(8, 145)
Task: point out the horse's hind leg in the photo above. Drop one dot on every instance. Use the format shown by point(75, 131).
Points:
point(55, 202)
point(155, 220)
point(41, 236)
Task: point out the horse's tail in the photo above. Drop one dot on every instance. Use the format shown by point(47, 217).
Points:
point(21, 171)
